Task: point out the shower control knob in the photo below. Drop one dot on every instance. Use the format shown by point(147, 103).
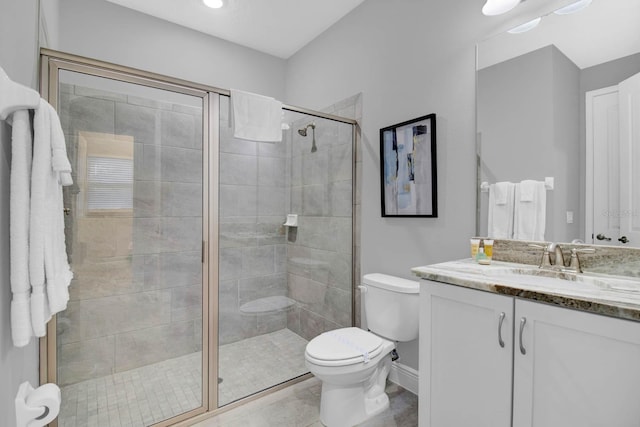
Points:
point(623, 239)
point(603, 237)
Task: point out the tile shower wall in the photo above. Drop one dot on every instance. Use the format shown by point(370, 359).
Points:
point(136, 295)
point(320, 251)
point(254, 195)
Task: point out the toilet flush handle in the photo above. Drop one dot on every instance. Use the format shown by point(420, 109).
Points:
point(362, 288)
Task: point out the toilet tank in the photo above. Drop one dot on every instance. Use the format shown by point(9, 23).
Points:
point(391, 306)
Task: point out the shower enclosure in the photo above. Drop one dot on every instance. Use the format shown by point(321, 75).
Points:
point(189, 293)
point(281, 286)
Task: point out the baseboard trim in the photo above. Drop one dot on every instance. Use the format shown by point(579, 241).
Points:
point(405, 376)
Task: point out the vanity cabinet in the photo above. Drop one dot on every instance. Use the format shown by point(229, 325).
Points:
point(465, 372)
point(570, 368)
point(579, 369)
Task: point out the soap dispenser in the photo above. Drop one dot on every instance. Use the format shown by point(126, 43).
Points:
point(482, 258)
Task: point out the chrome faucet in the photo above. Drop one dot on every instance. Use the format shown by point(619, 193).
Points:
point(554, 248)
point(558, 260)
point(545, 261)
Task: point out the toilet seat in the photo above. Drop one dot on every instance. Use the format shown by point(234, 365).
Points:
point(342, 347)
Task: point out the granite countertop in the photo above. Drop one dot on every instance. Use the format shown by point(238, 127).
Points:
point(608, 295)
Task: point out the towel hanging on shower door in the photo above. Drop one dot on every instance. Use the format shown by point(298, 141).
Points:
point(256, 117)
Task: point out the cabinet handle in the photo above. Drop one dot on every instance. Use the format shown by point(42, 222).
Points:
point(500, 322)
point(523, 321)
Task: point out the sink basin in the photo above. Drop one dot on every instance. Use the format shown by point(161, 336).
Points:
point(560, 279)
point(611, 283)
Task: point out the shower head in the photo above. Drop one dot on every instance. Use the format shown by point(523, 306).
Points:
point(303, 132)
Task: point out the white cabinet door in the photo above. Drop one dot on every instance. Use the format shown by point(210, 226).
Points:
point(465, 372)
point(579, 369)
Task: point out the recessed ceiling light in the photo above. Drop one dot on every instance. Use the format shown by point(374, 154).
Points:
point(214, 4)
point(525, 27)
point(573, 7)
point(498, 7)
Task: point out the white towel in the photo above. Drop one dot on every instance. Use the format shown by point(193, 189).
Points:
point(61, 165)
point(40, 174)
point(528, 190)
point(501, 204)
point(49, 270)
point(502, 190)
point(530, 216)
point(59, 159)
point(21, 330)
point(256, 117)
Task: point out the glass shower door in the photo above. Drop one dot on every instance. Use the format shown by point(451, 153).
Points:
point(129, 347)
point(281, 286)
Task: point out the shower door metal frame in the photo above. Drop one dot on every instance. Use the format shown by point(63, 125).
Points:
point(51, 65)
point(51, 62)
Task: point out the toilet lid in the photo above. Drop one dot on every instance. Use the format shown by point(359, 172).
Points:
point(347, 344)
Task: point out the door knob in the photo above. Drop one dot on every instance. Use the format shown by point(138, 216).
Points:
point(601, 236)
point(623, 239)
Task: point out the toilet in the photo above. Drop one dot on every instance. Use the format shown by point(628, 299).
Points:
point(353, 364)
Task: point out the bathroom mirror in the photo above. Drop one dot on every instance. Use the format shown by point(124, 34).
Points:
point(538, 97)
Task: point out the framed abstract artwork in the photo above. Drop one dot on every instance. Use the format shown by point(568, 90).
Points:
point(408, 168)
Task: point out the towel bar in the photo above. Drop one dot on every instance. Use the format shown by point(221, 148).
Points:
point(548, 183)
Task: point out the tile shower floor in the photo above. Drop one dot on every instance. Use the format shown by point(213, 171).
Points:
point(149, 394)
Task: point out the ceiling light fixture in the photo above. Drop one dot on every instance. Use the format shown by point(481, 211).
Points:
point(213, 4)
point(573, 7)
point(498, 7)
point(525, 27)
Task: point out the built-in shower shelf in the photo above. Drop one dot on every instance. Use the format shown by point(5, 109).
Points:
point(308, 262)
point(267, 305)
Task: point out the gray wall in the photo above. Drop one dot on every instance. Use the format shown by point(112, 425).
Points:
point(528, 124)
point(49, 23)
point(101, 30)
point(18, 53)
point(408, 58)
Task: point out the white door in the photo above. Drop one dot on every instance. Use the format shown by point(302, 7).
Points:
point(629, 93)
point(575, 369)
point(465, 357)
point(602, 219)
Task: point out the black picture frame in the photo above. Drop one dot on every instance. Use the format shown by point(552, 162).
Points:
point(408, 169)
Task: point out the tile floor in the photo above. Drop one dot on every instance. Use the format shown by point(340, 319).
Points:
point(139, 397)
point(147, 395)
point(254, 364)
point(299, 406)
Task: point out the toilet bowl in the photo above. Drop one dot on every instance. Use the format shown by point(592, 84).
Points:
point(353, 364)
